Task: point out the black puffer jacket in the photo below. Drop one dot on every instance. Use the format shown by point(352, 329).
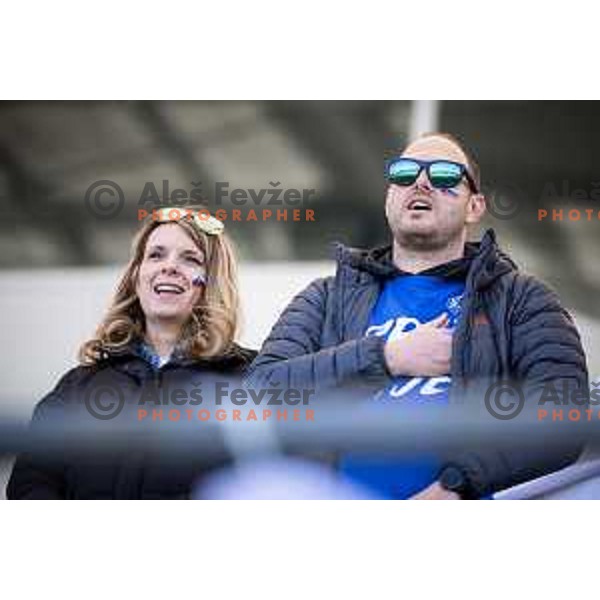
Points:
point(126, 470)
point(511, 327)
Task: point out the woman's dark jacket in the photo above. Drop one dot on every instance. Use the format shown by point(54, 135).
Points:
point(512, 327)
point(120, 457)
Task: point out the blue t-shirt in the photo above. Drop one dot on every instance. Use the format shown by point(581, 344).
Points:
point(406, 302)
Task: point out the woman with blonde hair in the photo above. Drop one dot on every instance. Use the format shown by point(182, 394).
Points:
point(172, 321)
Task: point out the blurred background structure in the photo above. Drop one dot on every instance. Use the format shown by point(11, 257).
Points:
point(52, 152)
point(59, 261)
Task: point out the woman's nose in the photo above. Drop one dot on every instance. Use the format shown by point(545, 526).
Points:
point(169, 267)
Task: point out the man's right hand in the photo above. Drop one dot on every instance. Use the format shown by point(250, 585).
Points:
point(424, 351)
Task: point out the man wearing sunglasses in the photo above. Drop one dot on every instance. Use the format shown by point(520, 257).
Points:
point(416, 323)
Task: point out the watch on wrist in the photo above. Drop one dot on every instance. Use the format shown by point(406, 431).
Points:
point(455, 480)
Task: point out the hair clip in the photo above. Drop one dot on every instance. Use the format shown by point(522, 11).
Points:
point(205, 223)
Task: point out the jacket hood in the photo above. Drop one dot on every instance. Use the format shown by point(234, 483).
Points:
point(483, 261)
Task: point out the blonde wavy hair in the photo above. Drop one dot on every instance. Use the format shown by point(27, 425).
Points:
point(213, 324)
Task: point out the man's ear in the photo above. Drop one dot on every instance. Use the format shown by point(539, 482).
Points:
point(475, 208)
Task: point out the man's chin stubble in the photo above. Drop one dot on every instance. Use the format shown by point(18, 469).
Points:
point(422, 241)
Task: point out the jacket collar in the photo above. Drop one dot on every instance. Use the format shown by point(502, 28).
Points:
point(483, 262)
point(134, 357)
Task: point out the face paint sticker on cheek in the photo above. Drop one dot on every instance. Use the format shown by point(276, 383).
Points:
point(450, 192)
point(199, 280)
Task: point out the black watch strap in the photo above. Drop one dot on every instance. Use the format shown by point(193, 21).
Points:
point(454, 479)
